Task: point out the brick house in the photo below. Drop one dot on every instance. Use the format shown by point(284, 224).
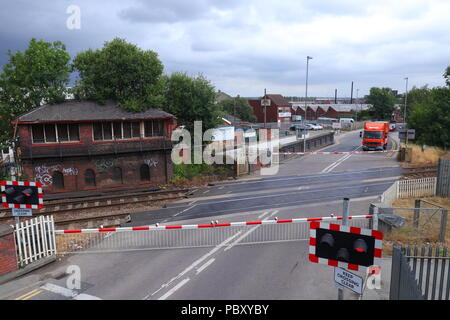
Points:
point(82, 145)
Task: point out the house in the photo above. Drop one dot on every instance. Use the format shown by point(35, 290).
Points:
point(82, 145)
point(279, 110)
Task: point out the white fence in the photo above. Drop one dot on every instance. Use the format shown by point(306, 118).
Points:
point(425, 187)
point(35, 239)
point(403, 189)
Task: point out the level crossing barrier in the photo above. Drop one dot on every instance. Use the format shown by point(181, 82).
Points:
point(188, 236)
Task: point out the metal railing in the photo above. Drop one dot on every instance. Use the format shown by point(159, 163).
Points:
point(188, 236)
point(425, 187)
point(420, 273)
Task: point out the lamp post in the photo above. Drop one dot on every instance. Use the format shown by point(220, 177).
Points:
point(306, 97)
point(404, 116)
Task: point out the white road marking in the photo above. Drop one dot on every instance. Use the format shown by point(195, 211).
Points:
point(206, 191)
point(184, 210)
point(263, 214)
point(171, 291)
point(338, 162)
point(203, 267)
point(194, 264)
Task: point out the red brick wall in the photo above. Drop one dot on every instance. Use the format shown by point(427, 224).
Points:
point(258, 111)
point(8, 258)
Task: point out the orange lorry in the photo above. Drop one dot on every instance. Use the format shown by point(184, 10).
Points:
point(375, 135)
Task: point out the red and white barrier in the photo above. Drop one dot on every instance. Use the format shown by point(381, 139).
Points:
point(211, 225)
point(332, 152)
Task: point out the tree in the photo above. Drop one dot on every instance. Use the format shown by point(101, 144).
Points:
point(415, 96)
point(383, 101)
point(30, 78)
point(447, 76)
point(431, 118)
point(191, 99)
point(120, 71)
point(238, 107)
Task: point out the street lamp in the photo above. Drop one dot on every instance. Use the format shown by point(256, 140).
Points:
point(306, 97)
point(404, 116)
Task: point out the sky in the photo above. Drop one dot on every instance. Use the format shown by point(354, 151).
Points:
point(246, 46)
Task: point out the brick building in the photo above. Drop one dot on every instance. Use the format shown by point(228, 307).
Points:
point(82, 145)
point(278, 111)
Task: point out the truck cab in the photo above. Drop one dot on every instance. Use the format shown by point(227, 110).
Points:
point(375, 136)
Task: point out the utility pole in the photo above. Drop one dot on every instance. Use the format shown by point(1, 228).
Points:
point(306, 98)
point(265, 109)
point(351, 95)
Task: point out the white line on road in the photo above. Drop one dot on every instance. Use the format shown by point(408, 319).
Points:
point(203, 267)
point(68, 292)
point(263, 214)
point(206, 191)
point(194, 264)
point(338, 162)
point(171, 291)
point(184, 210)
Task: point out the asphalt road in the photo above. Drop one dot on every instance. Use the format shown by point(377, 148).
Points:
point(308, 186)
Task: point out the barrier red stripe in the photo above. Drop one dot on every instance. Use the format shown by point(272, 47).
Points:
point(73, 231)
point(140, 228)
point(252, 222)
point(284, 221)
point(173, 227)
point(205, 226)
point(106, 229)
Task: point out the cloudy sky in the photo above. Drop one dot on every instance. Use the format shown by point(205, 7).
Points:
point(244, 46)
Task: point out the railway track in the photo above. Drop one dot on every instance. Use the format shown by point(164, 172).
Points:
point(87, 210)
point(420, 171)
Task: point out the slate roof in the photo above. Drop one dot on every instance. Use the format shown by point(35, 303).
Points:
point(74, 110)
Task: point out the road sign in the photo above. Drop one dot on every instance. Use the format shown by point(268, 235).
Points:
point(346, 247)
point(22, 194)
point(336, 125)
point(17, 212)
point(403, 132)
point(346, 279)
point(265, 102)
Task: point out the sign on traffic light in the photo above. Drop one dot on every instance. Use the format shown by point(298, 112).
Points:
point(345, 247)
point(22, 194)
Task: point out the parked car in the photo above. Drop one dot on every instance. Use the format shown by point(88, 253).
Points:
point(298, 127)
point(317, 126)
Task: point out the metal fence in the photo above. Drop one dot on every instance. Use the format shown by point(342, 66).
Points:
point(35, 239)
point(420, 273)
point(443, 179)
point(188, 236)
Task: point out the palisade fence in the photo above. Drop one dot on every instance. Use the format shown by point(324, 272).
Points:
point(403, 189)
point(420, 273)
point(35, 239)
point(443, 181)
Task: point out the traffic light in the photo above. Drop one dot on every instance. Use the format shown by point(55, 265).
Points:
point(349, 247)
point(21, 194)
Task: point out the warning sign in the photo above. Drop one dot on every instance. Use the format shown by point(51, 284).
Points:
point(348, 280)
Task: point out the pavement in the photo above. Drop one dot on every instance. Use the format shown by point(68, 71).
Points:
point(306, 186)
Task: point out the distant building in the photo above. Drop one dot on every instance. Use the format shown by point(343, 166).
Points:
point(82, 145)
point(278, 111)
point(221, 96)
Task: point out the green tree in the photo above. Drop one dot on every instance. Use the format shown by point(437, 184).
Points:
point(447, 76)
point(238, 107)
point(122, 72)
point(431, 118)
point(415, 96)
point(32, 77)
point(383, 101)
point(191, 99)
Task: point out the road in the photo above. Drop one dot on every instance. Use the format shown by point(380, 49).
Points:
point(308, 186)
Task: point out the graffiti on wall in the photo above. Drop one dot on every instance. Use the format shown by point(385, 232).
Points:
point(151, 163)
point(104, 164)
point(43, 173)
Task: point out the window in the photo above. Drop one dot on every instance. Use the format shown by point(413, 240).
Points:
point(44, 133)
point(154, 128)
point(118, 130)
point(58, 180)
point(145, 172)
point(117, 175)
point(89, 178)
point(373, 134)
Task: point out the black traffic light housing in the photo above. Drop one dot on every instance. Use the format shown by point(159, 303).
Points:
point(357, 249)
point(27, 195)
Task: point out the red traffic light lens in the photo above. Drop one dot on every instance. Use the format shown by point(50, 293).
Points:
point(360, 246)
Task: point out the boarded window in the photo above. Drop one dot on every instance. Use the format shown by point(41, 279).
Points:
point(136, 129)
point(117, 175)
point(74, 132)
point(145, 172)
point(117, 130)
point(126, 130)
point(107, 131)
point(63, 132)
point(38, 133)
point(154, 128)
point(58, 180)
point(50, 133)
point(89, 178)
point(98, 131)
